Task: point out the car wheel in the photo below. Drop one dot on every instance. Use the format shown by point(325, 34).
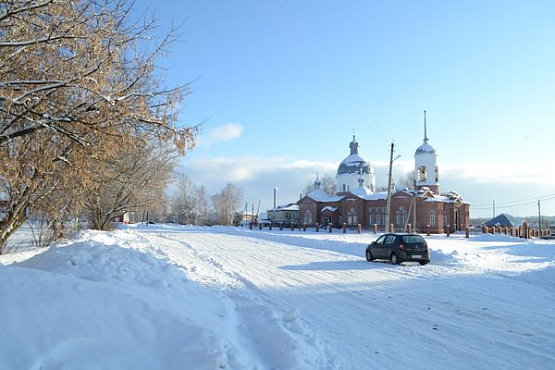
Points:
point(422, 263)
point(369, 256)
point(394, 259)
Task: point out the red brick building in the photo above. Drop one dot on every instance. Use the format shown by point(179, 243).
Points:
point(424, 206)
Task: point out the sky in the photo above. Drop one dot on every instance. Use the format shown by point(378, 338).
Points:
point(281, 86)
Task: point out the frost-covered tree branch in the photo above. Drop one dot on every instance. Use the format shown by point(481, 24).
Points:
point(78, 87)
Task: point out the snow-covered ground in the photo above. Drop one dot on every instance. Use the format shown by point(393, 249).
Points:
point(173, 297)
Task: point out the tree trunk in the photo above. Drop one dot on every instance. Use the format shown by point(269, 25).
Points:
point(10, 223)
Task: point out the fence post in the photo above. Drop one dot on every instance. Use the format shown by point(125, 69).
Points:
point(359, 228)
point(280, 226)
point(409, 228)
point(330, 227)
point(344, 227)
point(448, 232)
point(428, 230)
point(375, 228)
point(467, 232)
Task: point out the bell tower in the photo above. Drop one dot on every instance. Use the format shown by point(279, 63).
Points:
point(426, 172)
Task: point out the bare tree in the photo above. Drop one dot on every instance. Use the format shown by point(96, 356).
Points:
point(200, 206)
point(226, 202)
point(407, 181)
point(327, 185)
point(135, 179)
point(183, 199)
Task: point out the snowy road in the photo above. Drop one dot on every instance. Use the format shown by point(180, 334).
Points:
point(172, 297)
point(476, 310)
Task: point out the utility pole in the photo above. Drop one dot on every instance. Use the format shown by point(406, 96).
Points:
point(414, 208)
point(493, 209)
point(389, 175)
point(275, 196)
point(539, 218)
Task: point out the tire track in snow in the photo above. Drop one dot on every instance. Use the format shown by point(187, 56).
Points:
point(266, 323)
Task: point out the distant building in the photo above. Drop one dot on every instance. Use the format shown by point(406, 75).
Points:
point(504, 220)
point(356, 201)
point(243, 218)
point(285, 214)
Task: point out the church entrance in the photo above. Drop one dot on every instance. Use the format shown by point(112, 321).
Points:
point(352, 219)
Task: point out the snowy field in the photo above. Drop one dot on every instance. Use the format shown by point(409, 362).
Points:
point(173, 297)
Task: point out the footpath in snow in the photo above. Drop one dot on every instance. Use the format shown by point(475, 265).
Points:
point(173, 297)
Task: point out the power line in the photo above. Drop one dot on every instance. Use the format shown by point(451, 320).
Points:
point(535, 199)
point(517, 203)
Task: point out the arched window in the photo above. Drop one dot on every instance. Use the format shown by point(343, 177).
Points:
point(401, 216)
point(432, 217)
point(308, 217)
point(445, 219)
point(352, 217)
point(422, 175)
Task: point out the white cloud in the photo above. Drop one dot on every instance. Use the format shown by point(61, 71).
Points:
point(502, 174)
point(228, 132)
point(478, 184)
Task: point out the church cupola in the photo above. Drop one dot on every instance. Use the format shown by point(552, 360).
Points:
point(351, 169)
point(360, 180)
point(426, 172)
point(317, 183)
point(354, 146)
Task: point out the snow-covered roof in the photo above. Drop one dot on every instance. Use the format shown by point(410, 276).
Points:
point(329, 208)
point(286, 207)
point(425, 148)
point(362, 192)
point(504, 220)
point(435, 199)
point(376, 196)
point(353, 165)
point(319, 195)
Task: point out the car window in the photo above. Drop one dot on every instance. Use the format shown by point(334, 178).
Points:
point(380, 240)
point(412, 239)
point(390, 239)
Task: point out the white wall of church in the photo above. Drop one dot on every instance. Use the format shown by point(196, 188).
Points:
point(348, 182)
point(425, 169)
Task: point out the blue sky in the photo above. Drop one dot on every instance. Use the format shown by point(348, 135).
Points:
point(281, 85)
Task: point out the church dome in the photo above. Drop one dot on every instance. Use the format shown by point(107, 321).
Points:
point(354, 163)
point(425, 148)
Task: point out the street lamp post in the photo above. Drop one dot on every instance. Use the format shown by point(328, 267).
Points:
point(389, 181)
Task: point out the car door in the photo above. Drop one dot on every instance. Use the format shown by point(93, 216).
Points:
point(377, 247)
point(388, 245)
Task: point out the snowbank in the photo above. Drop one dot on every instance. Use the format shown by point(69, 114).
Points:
point(174, 297)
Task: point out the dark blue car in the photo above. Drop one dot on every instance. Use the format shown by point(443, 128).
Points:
point(399, 248)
